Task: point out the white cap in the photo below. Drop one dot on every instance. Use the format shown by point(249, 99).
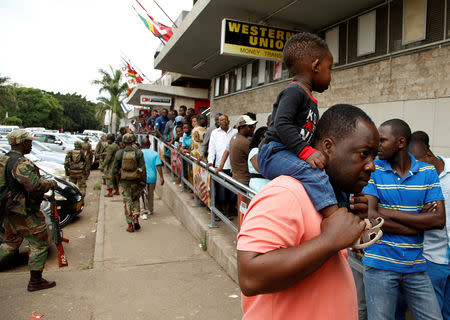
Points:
point(245, 120)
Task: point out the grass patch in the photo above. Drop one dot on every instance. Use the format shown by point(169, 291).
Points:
point(203, 242)
point(97, 186)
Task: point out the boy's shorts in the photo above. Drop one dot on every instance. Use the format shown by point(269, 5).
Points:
point(275, 159)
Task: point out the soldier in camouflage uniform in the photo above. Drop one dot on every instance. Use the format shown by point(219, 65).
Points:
point(131, 186)
point(77, 175)
point(100, 152)
point(111, 150)
point(23, 216)
point(87, 148)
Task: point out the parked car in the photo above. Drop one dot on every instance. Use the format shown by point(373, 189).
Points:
point(52, 141)
point(40, 151)
point(68, 197)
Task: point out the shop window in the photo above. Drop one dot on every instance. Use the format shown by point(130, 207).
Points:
point(414, 20)
point(261, 71)
point(217, 87)
point(238, 73)
point(248, 75)
point(277, 70)
point(366, 33)
point(226, 83)
point(332, 40)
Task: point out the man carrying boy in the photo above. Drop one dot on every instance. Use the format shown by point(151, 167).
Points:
point(407, 194)
point(152, 164)
point(286, 148)
point(291, 261)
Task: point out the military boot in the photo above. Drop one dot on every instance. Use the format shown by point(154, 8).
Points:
point(130, 227)
point(116, 193)
point(110, 193)
point(136, 224)
point(39, 283)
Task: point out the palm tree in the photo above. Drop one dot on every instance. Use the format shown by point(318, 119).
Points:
point(116, 89)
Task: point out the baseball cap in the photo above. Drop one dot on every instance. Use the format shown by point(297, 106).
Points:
point(18, 136)
point(245, 120)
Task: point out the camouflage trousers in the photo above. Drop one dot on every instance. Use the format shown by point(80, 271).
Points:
point(80, 181)
point(131, 195)
point(100, 164)
point(31, 227)
point(111, 181)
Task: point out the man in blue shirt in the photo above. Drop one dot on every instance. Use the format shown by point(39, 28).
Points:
point(407, 194)
point(152, 164)
point(160, 124)
point(436, 244)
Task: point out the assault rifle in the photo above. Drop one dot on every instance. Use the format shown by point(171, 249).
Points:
point(58, 238)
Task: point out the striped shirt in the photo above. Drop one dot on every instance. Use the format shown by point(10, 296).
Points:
point(396, 252)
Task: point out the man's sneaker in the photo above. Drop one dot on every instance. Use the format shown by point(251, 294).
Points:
point(136, 224)
point(144, 216)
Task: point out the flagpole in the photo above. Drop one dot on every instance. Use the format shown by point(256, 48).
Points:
point(161, 10)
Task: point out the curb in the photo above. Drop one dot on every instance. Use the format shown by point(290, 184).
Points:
point(221, 241)
point(100, 236)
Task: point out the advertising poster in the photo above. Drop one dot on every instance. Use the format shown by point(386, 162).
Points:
point(243, 203)
point(175, 162)
point(202, 184)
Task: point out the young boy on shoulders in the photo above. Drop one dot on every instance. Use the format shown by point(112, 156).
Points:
point(286, 148)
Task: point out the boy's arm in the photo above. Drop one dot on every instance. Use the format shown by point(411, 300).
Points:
point(389, 225)
point(283, 268)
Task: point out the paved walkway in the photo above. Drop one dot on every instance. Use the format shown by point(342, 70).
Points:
point(158, 272)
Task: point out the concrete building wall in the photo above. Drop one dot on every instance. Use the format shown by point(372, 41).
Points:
point(188, 102)
point(414, 87)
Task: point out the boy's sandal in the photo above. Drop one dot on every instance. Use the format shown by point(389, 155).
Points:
point(371, 234)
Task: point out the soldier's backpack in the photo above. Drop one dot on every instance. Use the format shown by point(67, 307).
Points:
point(8, 188)
point(77, 160)
point(129, 169)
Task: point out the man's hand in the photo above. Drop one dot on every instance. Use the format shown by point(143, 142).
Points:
point(162, 181)
point(208, 165)
point(317, 160)
point(218, 170)
point(359, 205)
point(429, 207)
point(342, 229)
point(54, 184)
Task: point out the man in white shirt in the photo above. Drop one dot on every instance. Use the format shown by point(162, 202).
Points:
point(218, 141)
point(436, 243)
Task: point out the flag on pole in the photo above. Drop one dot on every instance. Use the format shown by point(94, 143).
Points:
point(158, 29)
point(131, 76)
point(126, 107)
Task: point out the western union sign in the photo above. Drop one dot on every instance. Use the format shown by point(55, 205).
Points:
point(253, 40)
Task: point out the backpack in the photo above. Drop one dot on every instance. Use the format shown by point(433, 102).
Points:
point(7, 190)
point(129, 169)
point(77, 160)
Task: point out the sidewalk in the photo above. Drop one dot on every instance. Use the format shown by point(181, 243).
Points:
point(158, 272)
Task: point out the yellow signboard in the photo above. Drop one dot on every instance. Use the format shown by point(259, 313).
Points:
point(253, 40)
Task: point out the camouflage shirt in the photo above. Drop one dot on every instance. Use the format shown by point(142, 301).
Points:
point(33, 188)
point(111, 150)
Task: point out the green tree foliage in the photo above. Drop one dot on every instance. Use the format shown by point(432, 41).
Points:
point(12, 121)
point(37, 109)
point(112, 84)
point(79, 113)
point(7, 96)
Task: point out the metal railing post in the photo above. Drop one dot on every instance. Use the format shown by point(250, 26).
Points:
point(212, 204)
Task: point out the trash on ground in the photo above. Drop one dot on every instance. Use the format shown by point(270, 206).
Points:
point(82, 236)
point(36, 316)
point(234, 296)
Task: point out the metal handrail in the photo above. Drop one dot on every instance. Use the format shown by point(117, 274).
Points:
point(220, 178)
